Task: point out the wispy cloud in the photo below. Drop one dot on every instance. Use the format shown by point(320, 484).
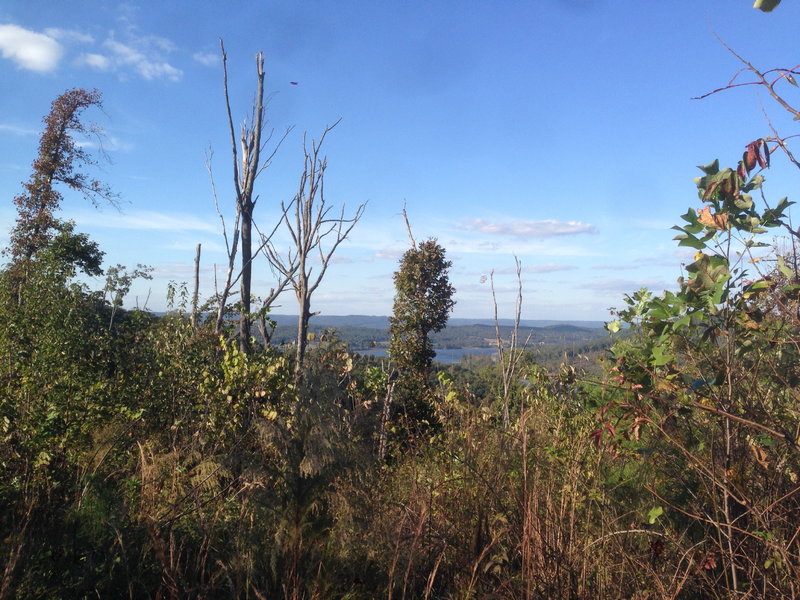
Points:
point(538, 247)
point(191, 246)
point(546, 268)
point(105, 143)
point(29, 49)
point(95, 61)
point(69, 35)
point(145, 55)
point(208, 59)
point(145, 220)
point(648, 261)
point(389, 253)
point(616, 267)
point(625, 285)
point(16, 130)
point(341, 260)
point(527, 229)
point(179, 271)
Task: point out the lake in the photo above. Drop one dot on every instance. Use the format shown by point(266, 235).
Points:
point(443, 355)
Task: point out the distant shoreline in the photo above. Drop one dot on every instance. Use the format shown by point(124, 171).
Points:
point(445, 356)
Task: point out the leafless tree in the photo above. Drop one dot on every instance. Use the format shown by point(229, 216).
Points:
point(511, 355)
point(196, 286)
point(248, 164)
point(315, 234)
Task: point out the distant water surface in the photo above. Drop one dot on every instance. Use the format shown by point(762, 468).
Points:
point(443, 355)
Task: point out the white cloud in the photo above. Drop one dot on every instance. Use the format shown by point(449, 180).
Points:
point(527, 229)
point(95, 61)
point(522, 247)
point(145, 220)
point(341, 260)
point(178, 271)
point(626, 285)
point(208, 59)
point(548, 268)
point(29, 49)
point(18, 130)
point(616, 267)
point(545, 268)
point(69, 35)
point(143, 55)
point(105, 143)
point(191, 246)
point(389, 253)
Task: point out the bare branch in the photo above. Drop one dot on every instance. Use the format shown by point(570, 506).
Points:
point(308, 228)
point(408, 227)
point(234, 153)
point(760, 80)
point(246, 153)
point(509, 360)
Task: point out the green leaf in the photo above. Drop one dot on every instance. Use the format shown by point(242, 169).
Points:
point(785, 271)
point(660, 356)
point(755, 287)
point(690, 217)
point(766, 5)
point(744, 202)
point(684, 321)
point(614, 326)
point(755, 183)
point(690, 240)
point(711, 168)
point(654, 513)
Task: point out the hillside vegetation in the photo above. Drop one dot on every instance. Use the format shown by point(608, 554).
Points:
point(454, 336)
point(146, 456)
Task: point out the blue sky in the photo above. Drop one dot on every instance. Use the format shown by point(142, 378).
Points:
point(562, 131)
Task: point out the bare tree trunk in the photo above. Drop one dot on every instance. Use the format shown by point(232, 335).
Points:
point(385, 416)
point(304, 306)
point(246, 169)
point(244, 290)
point(196, 292)
point(509, 359)
point(310, 225)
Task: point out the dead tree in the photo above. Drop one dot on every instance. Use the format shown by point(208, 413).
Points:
point(196, 286)
point(308, 229)
point(246, 152)
point(509, 357)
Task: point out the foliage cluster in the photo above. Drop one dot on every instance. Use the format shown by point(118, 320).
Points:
point(160, 457)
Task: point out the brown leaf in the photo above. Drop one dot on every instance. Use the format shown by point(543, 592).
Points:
point(742, 171)
point(762, 145)
point(718, 221)
point(749, 157)
point(759, 454)
point(709, 561)
point(709, 193)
